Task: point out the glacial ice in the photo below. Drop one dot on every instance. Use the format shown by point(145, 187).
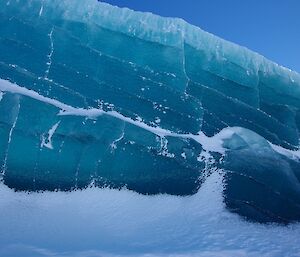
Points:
point(92, 94)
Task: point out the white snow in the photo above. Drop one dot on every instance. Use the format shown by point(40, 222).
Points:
point(104, 222)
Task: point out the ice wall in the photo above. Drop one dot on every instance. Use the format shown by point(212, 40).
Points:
point(95, 94)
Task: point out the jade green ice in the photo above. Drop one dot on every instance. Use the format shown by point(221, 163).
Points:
point(95, 95)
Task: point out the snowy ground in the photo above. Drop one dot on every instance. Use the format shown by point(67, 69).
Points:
point(103, 222)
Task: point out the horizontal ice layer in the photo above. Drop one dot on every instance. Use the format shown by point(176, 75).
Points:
point(95, 94)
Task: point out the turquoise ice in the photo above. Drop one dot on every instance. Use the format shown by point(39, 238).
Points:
point(96, 95)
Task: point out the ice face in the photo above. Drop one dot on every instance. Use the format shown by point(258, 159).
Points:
point(94, 94)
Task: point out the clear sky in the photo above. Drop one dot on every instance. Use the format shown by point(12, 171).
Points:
point(269, 27)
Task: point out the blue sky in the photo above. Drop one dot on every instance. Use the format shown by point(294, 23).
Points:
point(270, 27)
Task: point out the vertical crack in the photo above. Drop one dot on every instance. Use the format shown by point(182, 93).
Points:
point(113, 145)
point(183, 60)
point(4, 166)
point(78, 166)
point(185, 73)
point(41, 9)
point(49, 63)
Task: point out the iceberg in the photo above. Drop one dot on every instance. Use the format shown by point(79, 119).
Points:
point(96, 95)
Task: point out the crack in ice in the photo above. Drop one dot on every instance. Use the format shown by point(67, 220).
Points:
point(49, 63)
point(4, 166)
point(183, 62)
point(42, 8)
point(113, 145)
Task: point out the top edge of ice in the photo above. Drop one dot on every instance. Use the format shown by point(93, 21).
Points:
point(169, 31)
point(174, 32)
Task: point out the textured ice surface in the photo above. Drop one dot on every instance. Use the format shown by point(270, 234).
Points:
point(96, 95)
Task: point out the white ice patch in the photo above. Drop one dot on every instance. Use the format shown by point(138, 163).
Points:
point(47, 142)
point(215, 143)
point(41, 11)
point(164, 148)
point(1, 95)
point(295, 155)
point(157, 120)
point(115, 142)
point(206, 157)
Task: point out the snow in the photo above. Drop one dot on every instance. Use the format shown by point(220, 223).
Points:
point(104, 222)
